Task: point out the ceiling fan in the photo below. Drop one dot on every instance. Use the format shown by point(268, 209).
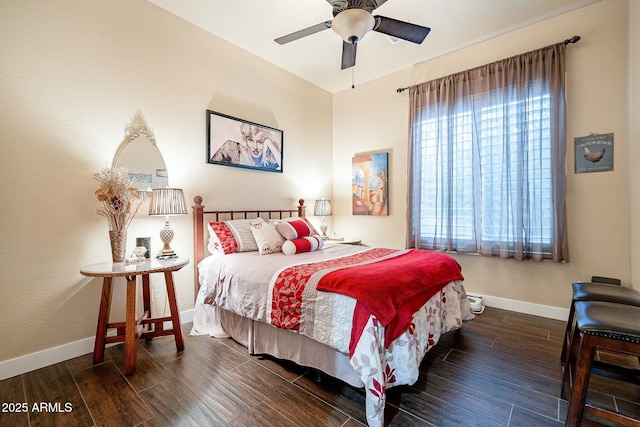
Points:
point(352, 20)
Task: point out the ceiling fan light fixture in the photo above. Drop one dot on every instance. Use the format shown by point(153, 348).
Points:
point(353, 24)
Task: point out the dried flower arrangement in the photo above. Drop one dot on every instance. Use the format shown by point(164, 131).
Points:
point(119, 199)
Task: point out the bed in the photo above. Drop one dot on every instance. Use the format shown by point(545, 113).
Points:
point(313, 302)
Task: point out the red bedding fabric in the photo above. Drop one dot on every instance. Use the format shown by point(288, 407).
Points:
point(392, 289)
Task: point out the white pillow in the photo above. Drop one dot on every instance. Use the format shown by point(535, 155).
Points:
point(267, 237)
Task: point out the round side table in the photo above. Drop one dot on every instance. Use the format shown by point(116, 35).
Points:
point(127, 330)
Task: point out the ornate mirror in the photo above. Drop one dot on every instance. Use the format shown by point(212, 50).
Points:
point(141, 156)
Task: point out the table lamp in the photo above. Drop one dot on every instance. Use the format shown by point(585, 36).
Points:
point(323, 208)
point(167, 201)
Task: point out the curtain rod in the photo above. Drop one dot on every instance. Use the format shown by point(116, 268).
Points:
point(574, 39)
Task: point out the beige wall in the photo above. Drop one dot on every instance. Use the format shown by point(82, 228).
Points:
point(374, 117)
point(634, 137)
point(72, 75)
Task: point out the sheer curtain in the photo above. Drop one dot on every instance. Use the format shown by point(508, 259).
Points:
point(487, 160)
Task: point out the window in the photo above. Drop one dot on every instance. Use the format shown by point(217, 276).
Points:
point(487, 161)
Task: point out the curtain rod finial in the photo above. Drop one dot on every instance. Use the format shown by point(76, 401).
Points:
point(574, 39)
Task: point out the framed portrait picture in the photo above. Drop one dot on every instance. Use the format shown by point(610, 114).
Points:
point(594, 153)
point(239, 143)
point(369, 184)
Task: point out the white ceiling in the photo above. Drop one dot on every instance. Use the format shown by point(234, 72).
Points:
point(455, 24)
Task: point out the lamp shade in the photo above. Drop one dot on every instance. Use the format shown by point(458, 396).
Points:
point(353, 24)
point(167, 201)
point(322, 208)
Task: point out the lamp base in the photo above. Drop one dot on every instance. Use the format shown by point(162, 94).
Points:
point(168, 256)
point(166, 250)
point(323, 228)
point(166, 236)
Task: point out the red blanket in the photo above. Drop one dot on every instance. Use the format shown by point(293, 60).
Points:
point(392, 289)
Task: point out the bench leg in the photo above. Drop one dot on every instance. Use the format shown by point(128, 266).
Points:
point(568, 374)
point(571, 321)
point(588, 344)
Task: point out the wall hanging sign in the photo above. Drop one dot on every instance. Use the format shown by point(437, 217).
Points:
point(369, 184)
point(594, 153)
point(239, 143)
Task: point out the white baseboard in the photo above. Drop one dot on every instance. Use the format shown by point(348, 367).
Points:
point(40, 359)
point(525, 307)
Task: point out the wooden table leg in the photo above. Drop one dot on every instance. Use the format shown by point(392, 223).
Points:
point(146, 301)
point(103, 319)
point(130, 335)
point(173, 307)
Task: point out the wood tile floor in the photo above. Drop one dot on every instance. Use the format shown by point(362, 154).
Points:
point(501, 370)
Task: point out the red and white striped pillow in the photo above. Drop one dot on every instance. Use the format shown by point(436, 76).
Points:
point(302, 244)
point(296, 228)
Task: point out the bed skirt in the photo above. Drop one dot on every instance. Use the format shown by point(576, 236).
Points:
point(262, 338)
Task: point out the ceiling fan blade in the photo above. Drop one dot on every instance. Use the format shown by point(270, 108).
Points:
point(348, 55)
point(379, 3)
point(400, 29)
point(303, 33)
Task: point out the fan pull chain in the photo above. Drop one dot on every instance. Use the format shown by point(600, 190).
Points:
point(353, 72)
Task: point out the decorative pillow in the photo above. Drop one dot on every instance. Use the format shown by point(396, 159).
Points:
point(296, 228)
point(221, 238)
point(232, 236)
point(303, 244)
point(267, 237)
